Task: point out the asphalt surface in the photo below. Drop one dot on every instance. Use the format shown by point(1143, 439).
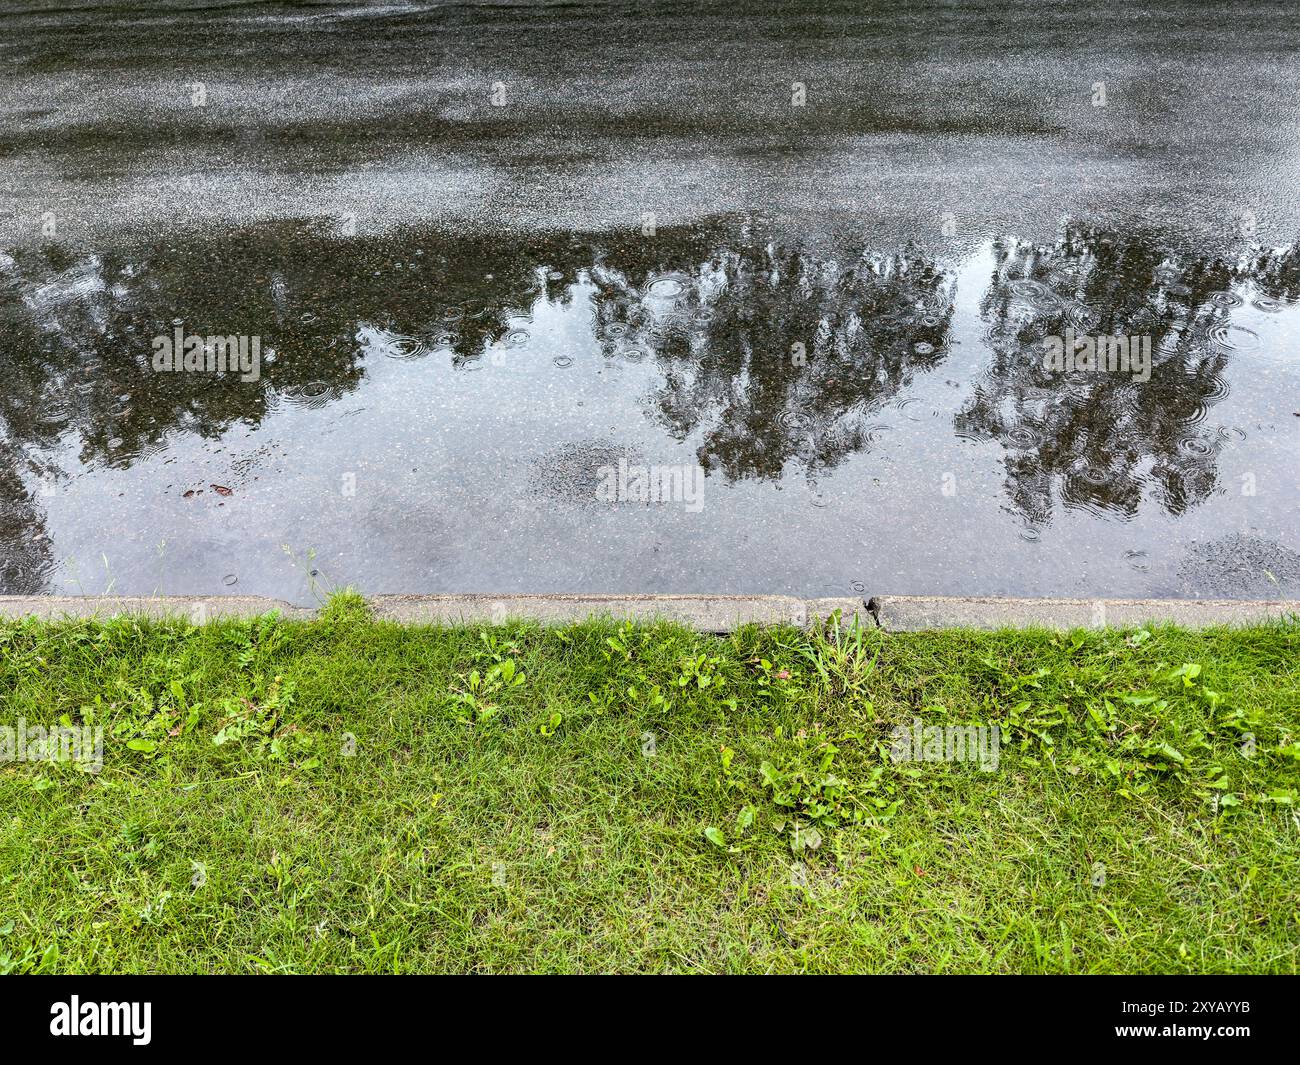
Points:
point(492, 250)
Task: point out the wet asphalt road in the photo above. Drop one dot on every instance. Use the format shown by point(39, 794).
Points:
point(453, 227)
point(535, 116)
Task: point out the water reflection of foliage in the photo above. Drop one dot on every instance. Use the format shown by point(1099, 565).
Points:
point(1102, 441)
point(773, 355)
point(25, 556)
point(79, 329)
point(79, 333)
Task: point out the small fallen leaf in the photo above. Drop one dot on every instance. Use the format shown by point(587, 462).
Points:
point(808, 837)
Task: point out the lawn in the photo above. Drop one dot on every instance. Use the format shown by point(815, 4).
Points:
point(342, 795)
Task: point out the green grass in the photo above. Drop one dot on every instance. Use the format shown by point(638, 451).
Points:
point(349, 796)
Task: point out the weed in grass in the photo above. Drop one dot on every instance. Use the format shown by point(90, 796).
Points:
point(844, 658)
point(475, 699)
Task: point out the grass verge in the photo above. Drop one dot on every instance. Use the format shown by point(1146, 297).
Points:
point(343, 795)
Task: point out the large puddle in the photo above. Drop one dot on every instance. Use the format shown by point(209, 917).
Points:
point(478, 415)
point(817, 360)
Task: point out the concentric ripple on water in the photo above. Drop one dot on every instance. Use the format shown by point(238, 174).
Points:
point(401, 346)
point(1232, 337)
point(934, 304)
point(667, 286)
point(1225, 299)
point(1219, 389)
point(1136, 559)
point(1024, 437)
point(911, 409)
point(518, 330)
point(313, 395)
point(1085, 316)
point(1034, 293)
point(1195, 446)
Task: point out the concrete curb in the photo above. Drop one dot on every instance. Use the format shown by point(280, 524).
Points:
point(900, 613)
point(708, 613)
point(196, 608)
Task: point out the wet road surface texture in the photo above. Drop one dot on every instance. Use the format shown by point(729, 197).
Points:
point(655, 297)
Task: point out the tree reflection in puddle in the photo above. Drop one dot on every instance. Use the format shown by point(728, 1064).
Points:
point(773, 362)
